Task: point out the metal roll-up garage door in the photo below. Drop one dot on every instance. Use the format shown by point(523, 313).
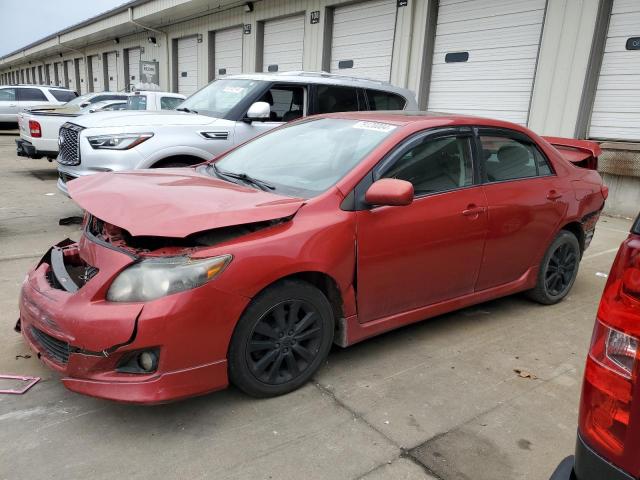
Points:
point(112, 72)
point(283, 44)
point(97, 74)
point(362, 39)
point(60, 80)
point(485, 56)
point(187, 65)
point(82, 76)
point(133, 67)
point(71, 74)
point(227, 52)
point(616, 108)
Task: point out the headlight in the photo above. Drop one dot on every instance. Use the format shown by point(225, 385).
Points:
point(155, 278)
point(123, 141)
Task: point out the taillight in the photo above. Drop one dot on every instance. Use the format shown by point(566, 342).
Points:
point(612, 369)
point(34, 129)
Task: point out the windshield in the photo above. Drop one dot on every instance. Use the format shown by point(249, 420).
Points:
point(219, 97)
point(137, 102)
point(305, 159)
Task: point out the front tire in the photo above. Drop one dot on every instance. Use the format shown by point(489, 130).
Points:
point(281, 340)
point(558, 269)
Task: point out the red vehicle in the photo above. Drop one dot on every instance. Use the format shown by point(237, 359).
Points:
point(609, 425)
point(331, 229)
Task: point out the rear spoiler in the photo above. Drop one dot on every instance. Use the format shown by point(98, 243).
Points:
point(582, 153)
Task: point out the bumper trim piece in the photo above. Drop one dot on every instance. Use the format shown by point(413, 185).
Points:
point(587, 465)
point(60, 271)
point(29, 382)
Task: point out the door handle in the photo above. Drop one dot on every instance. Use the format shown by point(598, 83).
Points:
point(473, 211)
point(553, 195)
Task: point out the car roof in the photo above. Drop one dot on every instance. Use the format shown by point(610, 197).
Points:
point(323, 78)
point(35, 86)
point(425, 119)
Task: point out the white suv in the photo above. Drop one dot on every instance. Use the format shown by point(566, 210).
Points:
point(225, 113)
point(14, 98)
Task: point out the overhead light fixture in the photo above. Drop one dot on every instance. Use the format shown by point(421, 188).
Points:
point(248, 7)
point(152, 40)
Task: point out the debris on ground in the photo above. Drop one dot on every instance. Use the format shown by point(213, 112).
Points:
point(27, 381)
point(75, 220)
point(23, 356)
point(602, 274)
point(524, 374)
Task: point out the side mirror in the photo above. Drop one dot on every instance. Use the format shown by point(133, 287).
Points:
point(258, 111)
point(390, 192)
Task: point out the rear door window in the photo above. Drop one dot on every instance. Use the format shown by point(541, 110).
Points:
point(333, 98)
point(63, 95)
point(507, 158)
point(31, 95)
point(7, 94)
point(384, 100)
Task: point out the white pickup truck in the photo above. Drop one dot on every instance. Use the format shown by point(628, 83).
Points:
point(39, 127)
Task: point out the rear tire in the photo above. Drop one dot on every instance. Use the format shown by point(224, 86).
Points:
point(281, 339)
point(558, 270)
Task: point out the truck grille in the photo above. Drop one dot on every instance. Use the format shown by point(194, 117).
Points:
point(53, 348)
point(69, 144)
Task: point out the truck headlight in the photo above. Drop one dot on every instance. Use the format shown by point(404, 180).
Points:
point(155, 278)
point(121, 141)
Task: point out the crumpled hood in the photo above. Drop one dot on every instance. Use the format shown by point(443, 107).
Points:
point(175, 202)
point(148, 118)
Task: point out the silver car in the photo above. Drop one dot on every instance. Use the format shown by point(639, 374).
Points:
point(15, 98)
point(225, 113)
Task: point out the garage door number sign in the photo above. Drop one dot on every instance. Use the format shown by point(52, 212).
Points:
point(633, 43)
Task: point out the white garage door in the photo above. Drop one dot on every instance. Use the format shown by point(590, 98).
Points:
point(50, 74)
point(71, 74)
point(112, 72)
point(227, 51)
point(97, 73)
point(133, 60)
point(60, 80)
point(616, 109)
point(485, 56)
point(283, 44)
point(362, 39)
point(187, 65)
point(82, 75)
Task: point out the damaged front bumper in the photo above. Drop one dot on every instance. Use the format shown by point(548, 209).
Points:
point(66, 320)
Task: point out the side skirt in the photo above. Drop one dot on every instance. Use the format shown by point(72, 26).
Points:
point(351, 331)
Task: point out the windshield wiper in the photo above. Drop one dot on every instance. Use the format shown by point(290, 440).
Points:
point(261, 184)
point(185, 109)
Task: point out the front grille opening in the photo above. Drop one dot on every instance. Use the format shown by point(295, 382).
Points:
point(69, 144)
point(53, 348)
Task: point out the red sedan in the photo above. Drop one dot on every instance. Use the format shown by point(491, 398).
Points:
point(328, 230)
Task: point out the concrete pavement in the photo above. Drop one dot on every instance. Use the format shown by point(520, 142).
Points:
point(439, 399)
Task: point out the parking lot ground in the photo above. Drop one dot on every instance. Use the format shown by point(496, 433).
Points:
point(439, 399)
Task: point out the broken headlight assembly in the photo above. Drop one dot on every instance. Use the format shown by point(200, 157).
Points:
point(122, 141)
point(154, 278)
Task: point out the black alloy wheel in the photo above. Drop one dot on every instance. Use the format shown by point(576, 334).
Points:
point(561, 269)
point(284, 342)
point(558, 269)
point(281, 340)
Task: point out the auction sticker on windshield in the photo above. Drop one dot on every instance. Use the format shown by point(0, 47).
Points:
point(375, 126)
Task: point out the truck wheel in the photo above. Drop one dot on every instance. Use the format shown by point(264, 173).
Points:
point(281, 340)
point(558, 269)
